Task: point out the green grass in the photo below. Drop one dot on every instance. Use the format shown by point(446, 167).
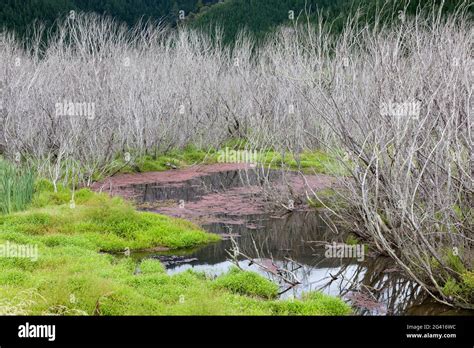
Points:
point(461, 288)
point(161, 162)
point(73, 276)
point(16, 187)
point(71, 280)
point(105, 223)
point(309, 162)
point(311, 303)
point(247, 283)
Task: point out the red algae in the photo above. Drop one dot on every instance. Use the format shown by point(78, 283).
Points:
point(229, 205)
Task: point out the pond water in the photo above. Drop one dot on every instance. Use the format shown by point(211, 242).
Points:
point(290, 246)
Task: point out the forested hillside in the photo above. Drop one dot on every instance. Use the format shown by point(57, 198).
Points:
point(259, 17)
point(18, 14)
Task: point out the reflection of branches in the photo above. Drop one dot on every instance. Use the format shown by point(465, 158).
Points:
point(267, 265)
point(370, 288)
point(290, 252)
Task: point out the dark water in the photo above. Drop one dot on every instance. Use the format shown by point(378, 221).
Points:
point(192, 190)
point(294, 242)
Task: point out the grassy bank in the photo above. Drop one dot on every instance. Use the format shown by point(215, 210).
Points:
point(308, 162)
point(71, 274)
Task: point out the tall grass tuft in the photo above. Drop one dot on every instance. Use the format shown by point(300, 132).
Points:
point(16, 187)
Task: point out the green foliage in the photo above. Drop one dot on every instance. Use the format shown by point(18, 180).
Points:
point(454, 261)
point(97, 220)
point(175, 158)
point(352, 240)
point(150, 266)
point(261, 17)
point(18, 15)
point(258, 17)
point(308, 162)
point(16, 187)
point(72, 280)
point(45, 194)
point(247, 283)
point(463, 286)
point(314, 302)
point(451, 288)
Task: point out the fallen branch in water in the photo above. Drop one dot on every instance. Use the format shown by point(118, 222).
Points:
point(266, 264)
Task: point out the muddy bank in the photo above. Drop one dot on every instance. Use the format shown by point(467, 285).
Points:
point(211, 193)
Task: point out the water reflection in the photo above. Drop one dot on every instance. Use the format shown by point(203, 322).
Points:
point(294, 242)
point(193, 190)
